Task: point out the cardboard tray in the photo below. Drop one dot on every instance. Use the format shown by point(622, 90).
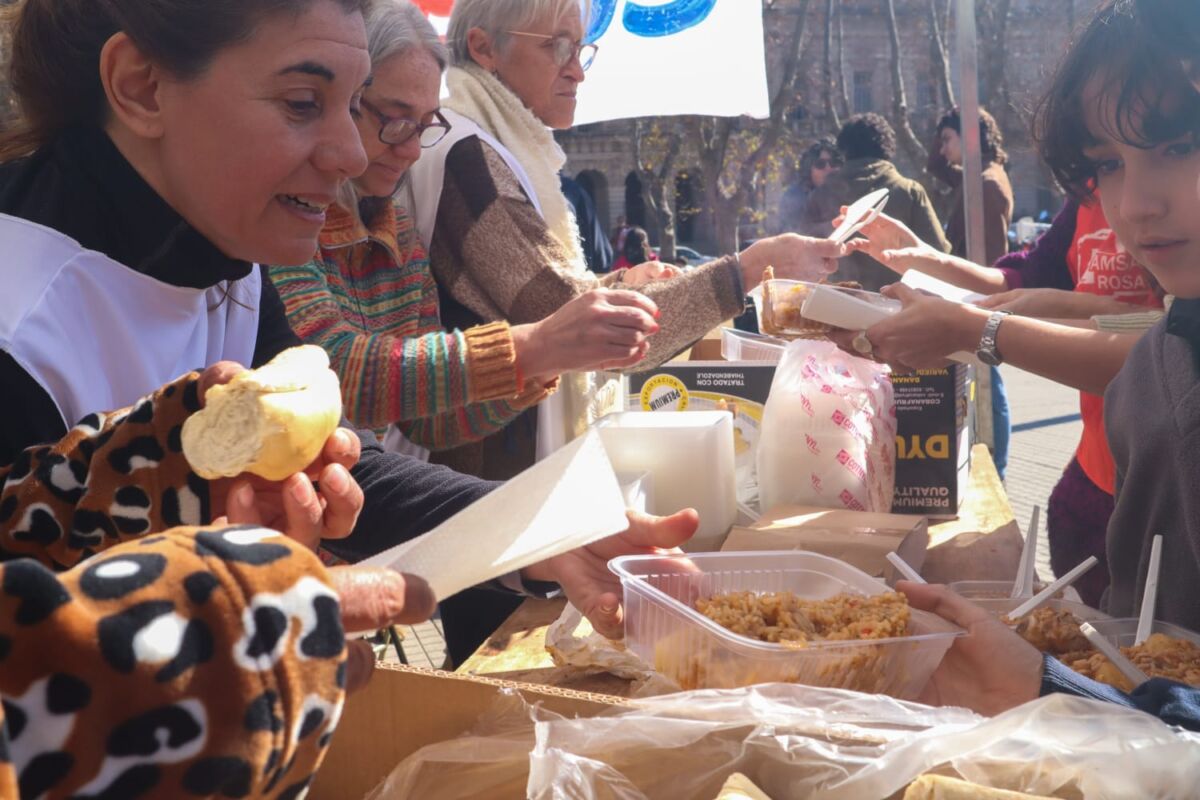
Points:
point(403, 709)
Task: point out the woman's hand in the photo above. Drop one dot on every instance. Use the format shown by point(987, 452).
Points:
point(794, 257)
point(882, 233)
point(1056, 304)
point(922, 335)
point(586, 579)
point(990, 670)
point(602, 329)
point(372, 598)
point(294, 506)
point(649, 272)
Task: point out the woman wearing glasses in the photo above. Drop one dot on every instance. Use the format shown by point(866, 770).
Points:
point(369, 298)
point(502, 242)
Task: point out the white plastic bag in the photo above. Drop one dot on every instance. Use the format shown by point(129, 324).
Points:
point(828, 433)
point(801, 741)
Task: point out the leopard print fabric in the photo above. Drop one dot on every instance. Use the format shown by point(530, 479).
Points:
point(196, 663)
point(112, 478)
point(192, 663)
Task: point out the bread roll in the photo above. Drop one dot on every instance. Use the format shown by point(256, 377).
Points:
point(739, 787)
point(940, 787)
point(272, 421)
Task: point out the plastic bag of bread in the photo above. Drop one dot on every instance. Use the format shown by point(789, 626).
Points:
point(272, 421)
point(799, 741)
point(828, 434)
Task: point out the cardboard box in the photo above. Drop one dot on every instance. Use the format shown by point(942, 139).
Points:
point(742, 387)
point(403, 709)
point(933, 440)
point(859, 538)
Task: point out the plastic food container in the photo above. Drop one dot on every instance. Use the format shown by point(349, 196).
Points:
point(1082, 612)
point(664, 629)
point(782, 315)
point(1122, 632)
point(988, 590)
point(742, 346)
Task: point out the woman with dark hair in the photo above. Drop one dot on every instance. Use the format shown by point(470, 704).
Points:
point(820, 160)
point(945, 164)
point(635, 250)
point(157, 158)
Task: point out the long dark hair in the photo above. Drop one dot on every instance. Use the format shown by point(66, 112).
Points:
point(813, 154)
point(1136, 49)
point(54, 52)
point(637, 246)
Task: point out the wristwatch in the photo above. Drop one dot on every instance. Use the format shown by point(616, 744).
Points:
point(987, 352)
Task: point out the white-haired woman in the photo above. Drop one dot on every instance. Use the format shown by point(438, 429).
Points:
point(502, 241)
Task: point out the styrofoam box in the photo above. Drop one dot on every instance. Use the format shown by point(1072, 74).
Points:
point(664, 629)
point(690, 458)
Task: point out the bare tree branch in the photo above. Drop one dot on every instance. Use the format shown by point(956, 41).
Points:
point(903, 125)
point(941, 56)
point(828, 82)
point(843, 96)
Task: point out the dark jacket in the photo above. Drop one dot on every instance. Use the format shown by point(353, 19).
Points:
point(1152, 414)
point(908, 202)
point(997, 207)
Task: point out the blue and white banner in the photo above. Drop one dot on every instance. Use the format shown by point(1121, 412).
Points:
point(666, 57)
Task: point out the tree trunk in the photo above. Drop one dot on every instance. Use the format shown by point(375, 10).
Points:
point(908, 140)
point(843, 96)
point(831, 110)
point(657, 183)
point(940, 57)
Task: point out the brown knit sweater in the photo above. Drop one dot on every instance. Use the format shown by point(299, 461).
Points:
point(494, 259)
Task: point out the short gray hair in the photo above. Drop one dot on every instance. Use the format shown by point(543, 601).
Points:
point(397, 26)
point(497, 17)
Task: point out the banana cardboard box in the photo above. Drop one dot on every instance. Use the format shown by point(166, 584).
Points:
point(739, 386)
point(933, 440)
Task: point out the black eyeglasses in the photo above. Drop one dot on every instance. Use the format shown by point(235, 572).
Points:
point(566, 48)
point(823, 163)
point(397, 130)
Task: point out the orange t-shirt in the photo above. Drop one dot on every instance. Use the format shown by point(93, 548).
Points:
point(1100, 265)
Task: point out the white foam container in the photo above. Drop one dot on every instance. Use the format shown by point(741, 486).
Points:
point(742, 346)
point(690, 458)
point(665, 630)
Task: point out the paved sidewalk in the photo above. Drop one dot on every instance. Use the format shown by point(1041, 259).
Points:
point(1046, 430)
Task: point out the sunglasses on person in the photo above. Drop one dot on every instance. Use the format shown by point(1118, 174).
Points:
point(397, 130)
point(825, 163)
point(565, 48)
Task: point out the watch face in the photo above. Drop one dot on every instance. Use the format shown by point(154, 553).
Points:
point(989, 358)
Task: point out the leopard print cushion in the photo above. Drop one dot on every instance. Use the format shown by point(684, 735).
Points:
point(199, 662)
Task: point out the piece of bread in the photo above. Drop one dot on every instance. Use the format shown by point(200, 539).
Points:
point(940, 787)
point(739, 787)
point(272, 421)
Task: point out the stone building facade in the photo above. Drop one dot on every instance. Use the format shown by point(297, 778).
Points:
point(601, 155)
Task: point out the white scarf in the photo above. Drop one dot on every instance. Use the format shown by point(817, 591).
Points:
point(477, 94)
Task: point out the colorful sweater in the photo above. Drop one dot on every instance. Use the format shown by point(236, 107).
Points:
point(195, 662)
point(370, 300)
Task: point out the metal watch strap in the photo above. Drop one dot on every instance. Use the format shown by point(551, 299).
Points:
point(988, 352)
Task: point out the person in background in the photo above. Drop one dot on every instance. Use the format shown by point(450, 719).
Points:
point(500, 236)
point(820, 160)
point(636, 250)
point(597, 250)
point(868, 143)
point(945, 164)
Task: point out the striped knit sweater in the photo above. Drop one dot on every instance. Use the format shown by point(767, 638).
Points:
point(370, 300)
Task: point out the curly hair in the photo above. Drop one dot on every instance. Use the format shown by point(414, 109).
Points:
point(1134, 51)
point(990, 138)
point(867, 136)
point(813, 154)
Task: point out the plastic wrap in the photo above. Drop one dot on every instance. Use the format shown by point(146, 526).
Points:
point(829, 432)
point(795, 741)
